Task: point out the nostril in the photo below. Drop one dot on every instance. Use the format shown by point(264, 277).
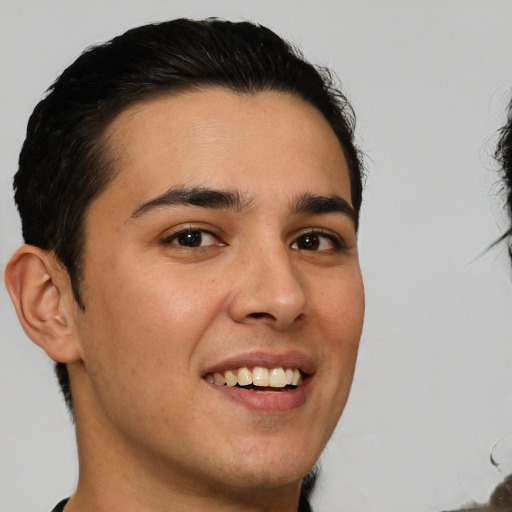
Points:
point(262, 315)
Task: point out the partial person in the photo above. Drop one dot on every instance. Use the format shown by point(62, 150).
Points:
point(190, 195)
point(501, 497)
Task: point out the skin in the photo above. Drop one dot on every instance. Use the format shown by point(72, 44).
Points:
point(158, 314)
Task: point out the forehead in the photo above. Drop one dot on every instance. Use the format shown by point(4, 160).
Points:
point(215, 137)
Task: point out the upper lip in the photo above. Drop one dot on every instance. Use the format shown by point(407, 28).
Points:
point(289, 359)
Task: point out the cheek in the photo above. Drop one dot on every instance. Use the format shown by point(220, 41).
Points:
point(148, 321)
point(140, 334)
point(339, 311)
point(340, 308)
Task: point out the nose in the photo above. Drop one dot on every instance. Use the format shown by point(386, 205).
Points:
point(269, 290)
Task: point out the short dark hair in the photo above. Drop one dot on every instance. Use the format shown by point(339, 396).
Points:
point(503, 156)
point(64, 163)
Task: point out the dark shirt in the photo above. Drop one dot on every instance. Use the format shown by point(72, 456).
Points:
point(303, 505)
point(60, 506)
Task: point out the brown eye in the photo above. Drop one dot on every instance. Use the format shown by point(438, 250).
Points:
point(316, 241)
point(192, 238)
point(309, 242)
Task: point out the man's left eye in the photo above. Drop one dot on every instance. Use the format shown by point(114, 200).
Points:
point(315, 242)
point(193, 238)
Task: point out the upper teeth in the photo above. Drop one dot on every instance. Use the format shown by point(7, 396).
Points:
point(258, 376)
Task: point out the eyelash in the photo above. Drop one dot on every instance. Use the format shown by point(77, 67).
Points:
point(170, 239)
point(337, 242)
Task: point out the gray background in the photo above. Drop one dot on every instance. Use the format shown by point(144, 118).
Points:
point(432, 394)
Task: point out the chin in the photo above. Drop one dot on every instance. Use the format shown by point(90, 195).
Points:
point(257, 482)
point(270, 468)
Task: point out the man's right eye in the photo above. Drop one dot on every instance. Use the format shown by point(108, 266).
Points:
point(192, 238)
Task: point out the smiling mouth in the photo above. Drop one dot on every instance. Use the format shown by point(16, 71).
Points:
point(258, 378)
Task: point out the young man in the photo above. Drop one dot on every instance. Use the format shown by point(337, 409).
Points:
point(189, 194)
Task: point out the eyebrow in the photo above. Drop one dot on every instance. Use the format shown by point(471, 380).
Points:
point(195, 196)
point(233, 200)
point(318, 205)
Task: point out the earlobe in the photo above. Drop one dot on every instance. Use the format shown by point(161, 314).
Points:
point(40, 291)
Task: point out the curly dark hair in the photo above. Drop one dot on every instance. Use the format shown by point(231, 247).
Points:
point(503, 155)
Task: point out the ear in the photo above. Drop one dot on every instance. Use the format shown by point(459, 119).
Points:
point(40, 290)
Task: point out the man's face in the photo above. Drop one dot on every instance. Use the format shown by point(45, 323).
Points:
point(224, 242)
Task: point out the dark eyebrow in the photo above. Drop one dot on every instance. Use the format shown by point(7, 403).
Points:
point(195, 196)
point(317, 205)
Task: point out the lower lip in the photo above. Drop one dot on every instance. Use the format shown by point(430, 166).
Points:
point(279, 402)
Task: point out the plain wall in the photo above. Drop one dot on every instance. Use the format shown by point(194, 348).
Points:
point(431, 398)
